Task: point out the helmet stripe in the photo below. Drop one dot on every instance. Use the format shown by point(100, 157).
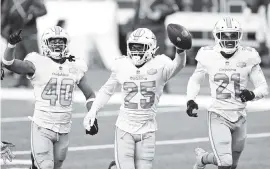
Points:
point(229, 22)
point(57, 30)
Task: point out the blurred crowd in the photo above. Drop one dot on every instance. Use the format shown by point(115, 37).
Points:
point(16, 15)
point(151, 14)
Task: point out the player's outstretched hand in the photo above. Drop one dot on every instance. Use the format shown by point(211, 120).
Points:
point(90, 123)
point(191, 105)
point(246, 95)
point(15, 38)
point(6, 153)
point(112, 165)
point(93, 129)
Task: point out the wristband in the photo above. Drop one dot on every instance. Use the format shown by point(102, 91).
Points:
point(179, 50)
point(6, 62)
point(11, 46)
point(90, 100)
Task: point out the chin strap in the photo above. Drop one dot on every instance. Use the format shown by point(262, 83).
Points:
point(71, 58)
point(226, 55)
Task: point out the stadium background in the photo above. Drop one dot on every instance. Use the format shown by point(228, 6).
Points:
point(95, 37)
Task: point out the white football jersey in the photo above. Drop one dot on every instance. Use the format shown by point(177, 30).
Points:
point(227, 77)
point(54, 85)
point(141, 89)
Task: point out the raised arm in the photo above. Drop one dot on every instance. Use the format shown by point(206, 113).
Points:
point(194, 83)
point(193, 88)
point(105, 93)
point(87, 92)
point(176, 65)
point(15, 65)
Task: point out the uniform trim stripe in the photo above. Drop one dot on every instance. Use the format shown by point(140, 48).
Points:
point(32, 147)
point(57, 30)
point(116, 150)
point(211, 139)
point(228, 22)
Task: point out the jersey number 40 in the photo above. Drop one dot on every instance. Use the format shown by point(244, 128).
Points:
point(132, 88)
point(66, 90)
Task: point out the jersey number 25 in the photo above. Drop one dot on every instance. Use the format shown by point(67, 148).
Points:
point(132, 88)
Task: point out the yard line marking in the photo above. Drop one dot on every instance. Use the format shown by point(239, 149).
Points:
point(17, 162)
point(165, 100)
point(82, 115)
point(109, 113)
point(160, 143)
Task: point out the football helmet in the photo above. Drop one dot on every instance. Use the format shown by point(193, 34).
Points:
point(228, 33)
point(54, 42)
point(141, 46)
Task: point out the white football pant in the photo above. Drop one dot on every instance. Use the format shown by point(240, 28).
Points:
point(227, 138)
point(49, 149)
point(134, 151)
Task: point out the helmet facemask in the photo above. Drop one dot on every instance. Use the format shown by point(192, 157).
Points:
point(139, 53)
point(57, 47)
point(228, 41)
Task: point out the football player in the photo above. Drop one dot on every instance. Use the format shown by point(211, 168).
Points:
point(142, 76)
point(54, 76)
point(230, 66)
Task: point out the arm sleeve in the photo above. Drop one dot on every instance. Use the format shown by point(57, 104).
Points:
point(105, 93)
point(173, 67)
point(33, 58)
point(194, 83)
point(81, 64)
point(258, 79)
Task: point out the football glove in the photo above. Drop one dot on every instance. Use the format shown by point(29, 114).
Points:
point(191, 105)
point(178, 50)
point(246, 95)
point(15, 38)
point(6, 153)
point(93, 129)
point(90, 123)
point(112, 164)
point(2, 72)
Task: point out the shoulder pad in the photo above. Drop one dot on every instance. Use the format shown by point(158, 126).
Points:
point(163, 59)
point(117, 62)
point(121, 57)
point(33, 57)
point(203, 55)
point(253, 56)
point(199, 55)
point(207, 48)
point(81, 64)
point(248, 49)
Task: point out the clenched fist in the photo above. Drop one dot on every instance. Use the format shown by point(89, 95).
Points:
point(15, 38)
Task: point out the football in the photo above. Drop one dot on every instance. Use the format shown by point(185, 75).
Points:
point(179, 36)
